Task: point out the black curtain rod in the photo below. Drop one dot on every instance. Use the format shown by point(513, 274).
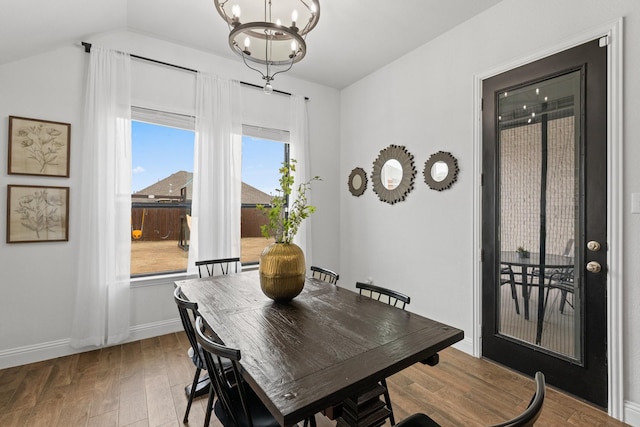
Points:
point(87, 49)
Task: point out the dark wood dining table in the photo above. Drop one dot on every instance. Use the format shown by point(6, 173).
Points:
point(535, 265)
point(324, 347)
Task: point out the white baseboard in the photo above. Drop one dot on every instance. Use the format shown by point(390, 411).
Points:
point(150, 330)
point(35, 353)
point(632, 413)
point(466, 345)
point(52, 349)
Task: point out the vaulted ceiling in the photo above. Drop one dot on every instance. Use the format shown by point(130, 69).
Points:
point(353, 37)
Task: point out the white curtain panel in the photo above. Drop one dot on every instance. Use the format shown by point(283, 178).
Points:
point(217, 177)
point(103, 278)
point(299, 150)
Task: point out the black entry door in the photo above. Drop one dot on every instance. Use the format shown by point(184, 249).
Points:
point(544, 220)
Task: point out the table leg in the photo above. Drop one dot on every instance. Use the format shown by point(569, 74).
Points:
point(541, 309)
point(525, 290)
point(202, 387)
point(365, 410)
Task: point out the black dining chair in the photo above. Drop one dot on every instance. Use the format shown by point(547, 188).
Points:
point(396, 299)
point(188, 312)
point(209, 266)
point(386, 295)
point(324, 274)
point(525, 419)
point(237, 405)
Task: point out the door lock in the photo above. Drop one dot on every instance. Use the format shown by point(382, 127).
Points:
point(593, 246)
point(594, 267)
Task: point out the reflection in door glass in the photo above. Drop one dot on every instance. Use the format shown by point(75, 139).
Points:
point(539, 296)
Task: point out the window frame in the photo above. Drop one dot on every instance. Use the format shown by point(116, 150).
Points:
point(187, 122)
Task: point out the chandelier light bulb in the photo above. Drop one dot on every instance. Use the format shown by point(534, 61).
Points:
point(268, 89)
point(294, 48)
point(278, 23)
point(247, 44)
point(294, 17)
point(235, 19)
point(314, 8)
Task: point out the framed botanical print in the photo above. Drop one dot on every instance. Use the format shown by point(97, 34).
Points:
point(38, 147)
point(37, 214)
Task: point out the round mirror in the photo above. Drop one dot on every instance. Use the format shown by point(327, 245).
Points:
point(357, 182)
point(393, 174)
point(440, 171)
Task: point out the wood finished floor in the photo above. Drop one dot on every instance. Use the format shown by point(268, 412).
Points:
point(142, 384)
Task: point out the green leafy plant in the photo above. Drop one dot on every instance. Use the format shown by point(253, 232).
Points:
point(522, 252)
point(283, 224)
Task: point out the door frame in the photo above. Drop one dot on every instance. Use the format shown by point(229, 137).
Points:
point(614, 33)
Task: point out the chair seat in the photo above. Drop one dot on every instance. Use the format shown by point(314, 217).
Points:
point(197, 358)
point(418, 420)
point(260, 415)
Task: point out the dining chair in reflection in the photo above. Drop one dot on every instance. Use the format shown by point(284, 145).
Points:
point(564, 282)
point(507, 276)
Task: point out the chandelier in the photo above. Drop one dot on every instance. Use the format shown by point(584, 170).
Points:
point(270, 37)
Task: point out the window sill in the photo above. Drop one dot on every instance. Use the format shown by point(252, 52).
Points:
point(163, 279)
point(160, 279)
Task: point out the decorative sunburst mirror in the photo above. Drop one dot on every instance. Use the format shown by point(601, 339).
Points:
point(357, 181)
point(393, 174)
point(440, 171)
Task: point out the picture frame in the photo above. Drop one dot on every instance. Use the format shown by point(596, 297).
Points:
point(37, 214)
point(38, 147)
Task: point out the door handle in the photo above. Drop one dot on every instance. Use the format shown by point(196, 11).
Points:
point(594, 267)
point(593, 246)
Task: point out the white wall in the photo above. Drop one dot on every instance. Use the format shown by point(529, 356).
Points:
point(38, 279)
point(425, 101)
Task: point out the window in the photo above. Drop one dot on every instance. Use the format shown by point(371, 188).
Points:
point(261, 160)
point(162, 165)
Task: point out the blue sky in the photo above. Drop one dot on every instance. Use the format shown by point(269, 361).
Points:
point(159, 151)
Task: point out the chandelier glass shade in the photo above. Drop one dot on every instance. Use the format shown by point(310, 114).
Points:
point(269, 35)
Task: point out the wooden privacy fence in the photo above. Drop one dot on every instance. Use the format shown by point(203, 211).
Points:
point(251, 220)
point(154, 222)
point(157, 222)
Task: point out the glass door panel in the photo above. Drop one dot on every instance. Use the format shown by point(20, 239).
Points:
point(538, 296)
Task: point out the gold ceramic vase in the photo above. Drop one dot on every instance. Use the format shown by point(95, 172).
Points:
point(282, 271)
